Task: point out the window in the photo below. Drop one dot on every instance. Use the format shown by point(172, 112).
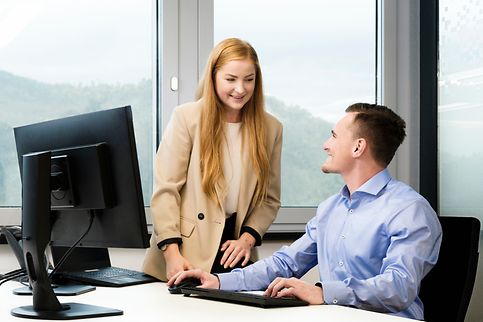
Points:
point(317, 57)
point(60, 58)
point(460, 110)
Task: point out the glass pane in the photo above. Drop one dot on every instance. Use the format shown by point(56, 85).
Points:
point(60, 58)
point(317, 57)
point(460, 108)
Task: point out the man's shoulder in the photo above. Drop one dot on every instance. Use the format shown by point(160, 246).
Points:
point(401, 195)
point(399, 188)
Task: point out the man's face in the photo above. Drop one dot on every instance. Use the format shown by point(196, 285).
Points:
point(340, 147)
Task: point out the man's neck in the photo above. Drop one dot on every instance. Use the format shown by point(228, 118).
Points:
point(358, 176)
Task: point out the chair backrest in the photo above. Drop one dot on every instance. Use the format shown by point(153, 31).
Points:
point(446, 290)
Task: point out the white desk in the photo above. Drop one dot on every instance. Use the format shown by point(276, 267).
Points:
point(152, 302)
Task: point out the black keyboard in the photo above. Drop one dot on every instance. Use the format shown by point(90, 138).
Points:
point(108, 276)
point(243, 297)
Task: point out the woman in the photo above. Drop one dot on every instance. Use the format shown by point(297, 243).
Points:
point(217, 177)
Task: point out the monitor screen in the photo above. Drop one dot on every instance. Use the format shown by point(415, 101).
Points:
point(120, 218)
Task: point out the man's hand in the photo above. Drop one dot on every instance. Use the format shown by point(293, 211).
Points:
point(207, 280)
point(295, 287)
point(235, 250)
point(175, 262)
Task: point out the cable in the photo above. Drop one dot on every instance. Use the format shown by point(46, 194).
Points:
point(24, 280)
point(18, 275)
point(71, 249)
point(6, 275)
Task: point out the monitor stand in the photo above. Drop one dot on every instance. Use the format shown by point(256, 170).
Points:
point(68, 311)
point(36, 232)
point(62, 290)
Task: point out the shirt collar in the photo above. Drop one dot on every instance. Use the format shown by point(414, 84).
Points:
point(372, 186)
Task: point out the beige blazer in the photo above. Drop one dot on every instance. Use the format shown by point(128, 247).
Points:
point(180, 208)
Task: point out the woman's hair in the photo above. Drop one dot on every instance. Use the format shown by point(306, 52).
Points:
point(212, 121)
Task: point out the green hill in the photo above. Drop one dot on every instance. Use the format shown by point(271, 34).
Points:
point(303, 184)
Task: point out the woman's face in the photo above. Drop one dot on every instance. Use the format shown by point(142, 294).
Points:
point(234, 85)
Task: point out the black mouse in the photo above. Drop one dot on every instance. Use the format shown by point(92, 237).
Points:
point(187, 282)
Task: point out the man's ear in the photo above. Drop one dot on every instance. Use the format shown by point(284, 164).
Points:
point(359, 147)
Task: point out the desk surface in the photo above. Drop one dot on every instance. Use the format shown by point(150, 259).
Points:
point(153, 301)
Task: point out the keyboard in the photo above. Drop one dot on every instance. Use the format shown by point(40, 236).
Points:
point(108, 276)
point(243, 297)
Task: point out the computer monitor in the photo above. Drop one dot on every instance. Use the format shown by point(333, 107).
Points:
point(77, 172)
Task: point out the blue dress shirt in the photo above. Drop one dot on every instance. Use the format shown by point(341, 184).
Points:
point(373, 248)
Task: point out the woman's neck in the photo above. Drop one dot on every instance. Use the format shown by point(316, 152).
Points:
point(232, 117)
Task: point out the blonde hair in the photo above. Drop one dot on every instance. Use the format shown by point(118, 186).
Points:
point(212, 125)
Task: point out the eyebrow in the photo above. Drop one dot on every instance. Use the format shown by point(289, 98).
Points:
point(235, 76)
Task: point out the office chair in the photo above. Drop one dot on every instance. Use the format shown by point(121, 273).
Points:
point(446, 290)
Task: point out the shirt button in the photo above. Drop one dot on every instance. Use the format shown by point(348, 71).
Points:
point(334, 301)
point(201, 216)
point(343, 236)
point(351, 211)
point(341, 263)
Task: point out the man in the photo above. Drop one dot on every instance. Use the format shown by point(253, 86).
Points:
point(374, 241)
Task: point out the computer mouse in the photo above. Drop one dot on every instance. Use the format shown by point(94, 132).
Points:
point(188, 282)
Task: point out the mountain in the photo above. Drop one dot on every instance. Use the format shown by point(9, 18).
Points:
point(303, 184)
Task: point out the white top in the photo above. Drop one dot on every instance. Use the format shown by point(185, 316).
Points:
point(232, 166)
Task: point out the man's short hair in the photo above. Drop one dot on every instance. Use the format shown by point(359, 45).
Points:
point(383, 129)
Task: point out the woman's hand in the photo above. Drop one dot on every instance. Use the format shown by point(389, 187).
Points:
point(175, 262)
point(294, 287)
point(235, 250)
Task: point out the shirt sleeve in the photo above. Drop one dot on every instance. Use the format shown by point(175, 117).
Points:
point(290, 261)
point(415, 238)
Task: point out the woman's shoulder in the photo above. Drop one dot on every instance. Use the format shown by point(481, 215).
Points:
point(189, 109)
point(189, 112)
point(272, 121)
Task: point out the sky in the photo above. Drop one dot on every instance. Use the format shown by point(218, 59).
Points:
point(76, 41)
point(317, 54)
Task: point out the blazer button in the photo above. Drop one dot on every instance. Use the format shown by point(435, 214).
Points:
point(201, 216)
